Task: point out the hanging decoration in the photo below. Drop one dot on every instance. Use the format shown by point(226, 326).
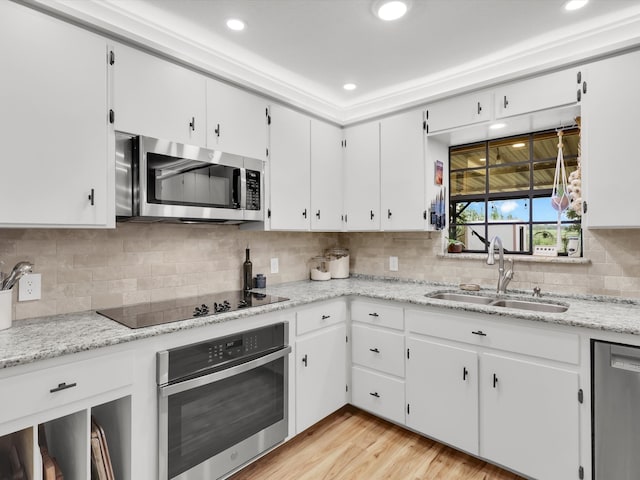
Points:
point(559, 195)
point(575, 180)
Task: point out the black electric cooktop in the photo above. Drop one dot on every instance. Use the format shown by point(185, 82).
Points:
point(156, 313)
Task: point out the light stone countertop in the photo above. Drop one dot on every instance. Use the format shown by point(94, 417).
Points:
point(53, 336)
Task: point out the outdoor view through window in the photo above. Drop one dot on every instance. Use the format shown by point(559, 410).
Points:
point(503, 187)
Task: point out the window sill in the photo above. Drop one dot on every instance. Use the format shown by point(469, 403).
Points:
point(518, 258)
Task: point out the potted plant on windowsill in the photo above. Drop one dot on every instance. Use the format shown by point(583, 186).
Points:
point(454, 246)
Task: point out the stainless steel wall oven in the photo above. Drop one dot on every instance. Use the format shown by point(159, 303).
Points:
point(222, 402)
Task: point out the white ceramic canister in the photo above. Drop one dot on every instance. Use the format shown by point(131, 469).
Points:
point(5, 309)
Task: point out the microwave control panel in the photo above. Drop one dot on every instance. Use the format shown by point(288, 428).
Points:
point(253, 190)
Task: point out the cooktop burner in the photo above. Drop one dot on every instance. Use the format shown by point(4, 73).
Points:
point(156, 313)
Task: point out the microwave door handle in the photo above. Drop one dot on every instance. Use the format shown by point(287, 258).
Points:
point(167, 390)
point(242, 188)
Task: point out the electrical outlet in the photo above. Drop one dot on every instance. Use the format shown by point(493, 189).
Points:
point(30, 287)
point(274, 265)
point(393, 264)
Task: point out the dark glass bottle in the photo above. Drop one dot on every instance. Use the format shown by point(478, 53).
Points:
point(247, 273)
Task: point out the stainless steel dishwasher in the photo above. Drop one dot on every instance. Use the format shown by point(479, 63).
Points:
point(616, 411)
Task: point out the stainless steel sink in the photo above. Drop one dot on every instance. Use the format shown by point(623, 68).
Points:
point(461, 297)
point(533, 306)
point(499, 302)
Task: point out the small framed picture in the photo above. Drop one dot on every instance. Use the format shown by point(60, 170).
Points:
point(438, 173)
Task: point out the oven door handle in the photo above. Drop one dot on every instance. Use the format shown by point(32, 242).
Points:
point(168, 390)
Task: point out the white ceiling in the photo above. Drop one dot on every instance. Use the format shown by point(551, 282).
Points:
point(303, 51)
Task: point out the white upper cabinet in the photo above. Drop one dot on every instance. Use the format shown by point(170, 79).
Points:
point(553, 90)
point(402, 172)
point(157, 98)
point(290, 167)
point(459, 111)
point(610, 161)
point(326, 177)
point(362, 177)
point(236, 121)
point(54, 123)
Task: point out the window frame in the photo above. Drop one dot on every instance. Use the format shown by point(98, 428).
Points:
point(487, 197)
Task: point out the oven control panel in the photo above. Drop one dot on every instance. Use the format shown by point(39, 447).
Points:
point(196, 358)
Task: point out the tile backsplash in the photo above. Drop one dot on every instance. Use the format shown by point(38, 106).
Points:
point(92, 269)
point(613, 267)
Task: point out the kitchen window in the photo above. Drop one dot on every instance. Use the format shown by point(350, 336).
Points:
point(503, 187)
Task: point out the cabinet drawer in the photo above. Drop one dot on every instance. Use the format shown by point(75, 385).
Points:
point(52, 387)
point(320, 316)
point(478, 330)
point(379, 394)
point(378, 349)
point(377, 314)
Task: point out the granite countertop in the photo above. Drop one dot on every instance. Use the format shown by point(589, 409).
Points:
point(48, 337)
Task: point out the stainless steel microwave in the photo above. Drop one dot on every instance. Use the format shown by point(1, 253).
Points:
point(159, 180)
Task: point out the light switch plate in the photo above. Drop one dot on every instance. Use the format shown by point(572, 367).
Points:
point(30, 287)
point(393, 264)
point(274, 265)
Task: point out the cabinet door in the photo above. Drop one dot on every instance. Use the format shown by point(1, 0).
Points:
point(326, 177)
point(378, 349)
point(442, 393)
point(526, 408)
point(157, 98)
point(290, 167)
point(610, 160)
point(53, 123)
point(378, 393)
point(402, 172)
point(362, 177)
point(236, 121)
point(459, 111)
point(321, 375)
point(547, 91)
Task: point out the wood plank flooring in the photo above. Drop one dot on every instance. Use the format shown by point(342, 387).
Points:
point(353, 445)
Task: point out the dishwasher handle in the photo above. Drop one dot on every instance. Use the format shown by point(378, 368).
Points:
point(625, 358)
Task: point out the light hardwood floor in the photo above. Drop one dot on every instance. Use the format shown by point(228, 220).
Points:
point(353, 445)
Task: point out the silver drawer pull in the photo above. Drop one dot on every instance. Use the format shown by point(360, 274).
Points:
point(375, 394)
point(479, 332)
point(63, 386)
point(374, 350)
point(373, 315)
point(324, 317)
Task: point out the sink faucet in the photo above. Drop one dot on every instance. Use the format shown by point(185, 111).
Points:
point(503, 277)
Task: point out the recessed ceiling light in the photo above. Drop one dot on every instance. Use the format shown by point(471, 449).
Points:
point(575, 4)
point(235, 24)
point(349, 86)
point(497, 126)
point(518, 145)
point(390, 10)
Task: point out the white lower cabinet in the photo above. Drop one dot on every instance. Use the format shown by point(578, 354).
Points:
point(321, 363)
point(529, 417)
point(519, 410)
point(55, 407)
point(377, 393)
point(377, 355)
point(442, 393)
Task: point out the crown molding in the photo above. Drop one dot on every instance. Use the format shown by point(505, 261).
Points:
point(583, 43)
